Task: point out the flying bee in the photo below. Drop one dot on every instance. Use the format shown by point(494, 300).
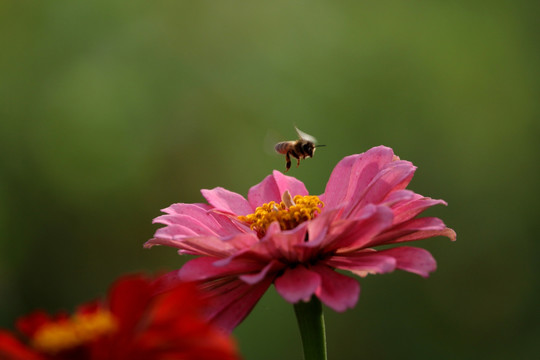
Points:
point(302, 148)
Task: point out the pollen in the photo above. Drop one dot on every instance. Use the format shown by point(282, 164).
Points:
point(289, 213)
point(78, 330)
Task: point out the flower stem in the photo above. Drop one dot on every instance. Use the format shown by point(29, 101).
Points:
point(311, 323)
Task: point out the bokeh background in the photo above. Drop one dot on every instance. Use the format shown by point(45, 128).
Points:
point(112, 110)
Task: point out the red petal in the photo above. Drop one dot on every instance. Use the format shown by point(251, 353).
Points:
point(29, 324)
point(12, 349)
point(128, 299)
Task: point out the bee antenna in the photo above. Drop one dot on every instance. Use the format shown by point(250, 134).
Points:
point(317, 146)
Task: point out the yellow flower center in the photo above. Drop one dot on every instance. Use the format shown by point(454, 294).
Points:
point(289, 213)
point(77, 330)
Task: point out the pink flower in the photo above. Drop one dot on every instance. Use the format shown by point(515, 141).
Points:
point(284, 236)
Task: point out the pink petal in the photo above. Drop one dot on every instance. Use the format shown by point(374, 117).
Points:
point(297, 284)
point(200, 214)
point(282, 245)
point(352, 174)
point(318, 228)
point(171, 235)
point(272, 188)
point(187, 222)
point(337, 291)
point(232, 300)
point(209, 246)
point(242, 255)
point(400, 196)
point(370, 262)
point(424, 234)
point(411, 259)
point(351, 235)
point(229, 225)
point(319, 236)
point(395, 176)
point(195, 211)
point(257, 277)
point(262, 251)
point(242, 241)
point(227, 201)
point(408, 210)
point(204, 268)
point(415, 229)
point(277, 244)
point(181, 208)
point(174, 232)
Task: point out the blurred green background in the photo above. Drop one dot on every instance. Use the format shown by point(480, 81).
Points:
point(112, 110)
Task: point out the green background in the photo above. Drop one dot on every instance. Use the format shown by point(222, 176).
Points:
point(112, 110)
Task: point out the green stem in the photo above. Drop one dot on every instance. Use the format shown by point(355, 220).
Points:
point(311, 323)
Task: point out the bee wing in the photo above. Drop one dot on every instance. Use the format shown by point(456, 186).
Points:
point(270, 140)
point(305, 136)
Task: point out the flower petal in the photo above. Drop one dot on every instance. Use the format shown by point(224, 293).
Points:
point(415, 229)
point(171, 235)
point(182, 208)
point(210, 246)
point(282, 244)
point(278, 244)
point(12, 348)
point(128, 299)
point(187, 222)
point(350, 235)
point(354, 173)
point(399, 197)
point(198, 216)
point(318, 228)
point(393, 177)
point(297, 284)
point(272, 188)
point(371, 262)
point(337, 291)
point(409, 209)
point(227, 201)
point(425, 234)
point(231, 301)
point(204, 268)
point(257, 277)
point(412, 259)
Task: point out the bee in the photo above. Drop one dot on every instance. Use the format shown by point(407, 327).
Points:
point(302, 148)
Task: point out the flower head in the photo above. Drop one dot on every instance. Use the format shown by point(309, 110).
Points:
point(282, 235)
point(132, 324)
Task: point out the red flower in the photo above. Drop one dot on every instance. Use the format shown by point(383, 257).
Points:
point(284, 236)
point(132, 324)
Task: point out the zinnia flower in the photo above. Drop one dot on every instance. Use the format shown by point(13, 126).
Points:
point(132, 324)
point(281, 235)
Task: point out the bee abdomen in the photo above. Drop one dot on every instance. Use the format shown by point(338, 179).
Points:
point(283, 147)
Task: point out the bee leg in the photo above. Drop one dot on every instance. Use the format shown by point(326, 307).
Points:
point(288, 158)
point(298, 162)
